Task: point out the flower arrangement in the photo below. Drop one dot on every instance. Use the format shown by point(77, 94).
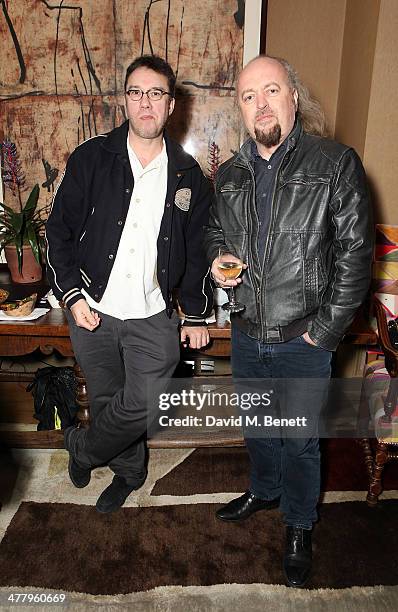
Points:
point(19, 225)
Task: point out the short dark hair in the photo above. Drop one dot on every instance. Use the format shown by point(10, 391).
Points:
point(155, 63)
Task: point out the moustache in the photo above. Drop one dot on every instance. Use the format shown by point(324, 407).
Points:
point(263, 114)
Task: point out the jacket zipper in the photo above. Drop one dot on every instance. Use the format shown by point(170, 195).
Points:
point(250, 250)
point(259, 289)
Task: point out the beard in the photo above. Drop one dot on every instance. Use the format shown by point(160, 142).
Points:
point(270, 138)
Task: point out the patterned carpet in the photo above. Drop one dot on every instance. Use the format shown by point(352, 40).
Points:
point(142, 548)
point(166, 551)
point(214, 470)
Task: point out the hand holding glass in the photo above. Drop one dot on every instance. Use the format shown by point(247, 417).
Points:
point(231, 269)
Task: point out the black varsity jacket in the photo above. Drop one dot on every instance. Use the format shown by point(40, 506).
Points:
point(89, 211)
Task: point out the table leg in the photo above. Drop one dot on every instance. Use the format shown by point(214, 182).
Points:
point(367, 451)
point(83, 414)
point(375, 486)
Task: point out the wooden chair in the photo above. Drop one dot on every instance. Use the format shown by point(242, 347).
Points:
point(380, 451)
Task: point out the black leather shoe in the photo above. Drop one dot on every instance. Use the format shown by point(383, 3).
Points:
point(298, 556)
point(79, 476)
point(244, 506)
point(114, 496)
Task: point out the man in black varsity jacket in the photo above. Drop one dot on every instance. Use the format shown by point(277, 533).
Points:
point(125, 231)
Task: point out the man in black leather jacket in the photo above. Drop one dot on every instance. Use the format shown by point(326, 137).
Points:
point(293, 207)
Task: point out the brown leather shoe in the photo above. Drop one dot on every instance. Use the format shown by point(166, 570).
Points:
point(244, 506)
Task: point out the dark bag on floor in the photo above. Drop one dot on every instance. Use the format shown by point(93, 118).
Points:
point(54, 393)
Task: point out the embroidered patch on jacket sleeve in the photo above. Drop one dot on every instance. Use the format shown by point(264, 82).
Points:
point(183, 198)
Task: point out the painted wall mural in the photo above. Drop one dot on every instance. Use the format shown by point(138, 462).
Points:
point(62, 70)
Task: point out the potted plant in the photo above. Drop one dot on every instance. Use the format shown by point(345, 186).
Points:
point(21, 224)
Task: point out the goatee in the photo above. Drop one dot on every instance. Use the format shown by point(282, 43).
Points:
point(270, 138)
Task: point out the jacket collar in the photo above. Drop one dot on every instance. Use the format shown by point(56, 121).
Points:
point(245, 153)
point(116, 142)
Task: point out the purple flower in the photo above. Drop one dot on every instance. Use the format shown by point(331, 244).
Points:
point(12, 174)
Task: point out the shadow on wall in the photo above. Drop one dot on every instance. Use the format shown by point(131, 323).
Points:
point(9, 470)
point(180, 121)
point(379, 212)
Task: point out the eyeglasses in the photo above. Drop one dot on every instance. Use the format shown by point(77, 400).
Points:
point(154, 94)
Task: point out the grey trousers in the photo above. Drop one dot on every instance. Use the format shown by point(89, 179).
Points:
point(126, 364)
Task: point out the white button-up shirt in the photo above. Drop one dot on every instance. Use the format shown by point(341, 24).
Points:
point(133, 290)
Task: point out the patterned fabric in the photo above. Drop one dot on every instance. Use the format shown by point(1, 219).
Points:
point(377, 382)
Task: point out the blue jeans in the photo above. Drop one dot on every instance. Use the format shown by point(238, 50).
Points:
point(283, 466)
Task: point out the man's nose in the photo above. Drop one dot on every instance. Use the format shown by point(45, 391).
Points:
point(145, 101)
point(261, 100)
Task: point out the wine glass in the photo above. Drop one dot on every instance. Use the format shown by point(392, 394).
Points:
point(231, 269)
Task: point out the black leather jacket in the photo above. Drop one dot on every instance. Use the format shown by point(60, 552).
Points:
point(318, 253)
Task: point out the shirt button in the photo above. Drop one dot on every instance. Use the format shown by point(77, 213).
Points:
point(110, 256)
point(96, 295)
point(269, 167)
point(163, 270)
point(99, 286)
point(132, 251)
point(168, 204)
point(137, 200)
point(128, 190)
point(128, 275)
point(166, 238)
point(135, 225)
point(120, 222)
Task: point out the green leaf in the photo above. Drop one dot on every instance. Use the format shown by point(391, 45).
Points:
point(16, 221)
point(5, 223)
point(12, 219)
point(32, 199)
point(32, 238)
point(18, 244)
point(7, 208)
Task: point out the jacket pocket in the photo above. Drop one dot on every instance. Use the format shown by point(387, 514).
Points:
point(84, 235)
point(311, 284)
point(230, 186)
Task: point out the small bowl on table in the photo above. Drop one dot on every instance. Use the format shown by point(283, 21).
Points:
point(20, 308)
point(3, 295)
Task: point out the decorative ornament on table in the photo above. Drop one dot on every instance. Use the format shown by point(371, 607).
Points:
point(20, 308)
point(20, 224)
point(3, 295)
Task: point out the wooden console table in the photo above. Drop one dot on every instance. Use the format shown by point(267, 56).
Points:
point(51, 332)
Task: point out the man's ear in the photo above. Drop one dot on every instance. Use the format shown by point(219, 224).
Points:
point(171, 106)
point(295, 98)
